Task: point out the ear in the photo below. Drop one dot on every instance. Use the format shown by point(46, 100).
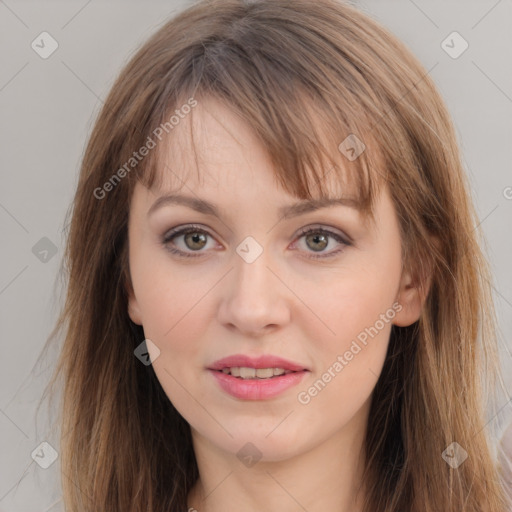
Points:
point(133, 306)
point(134, 310)
point(411, 297)
point(412, 293)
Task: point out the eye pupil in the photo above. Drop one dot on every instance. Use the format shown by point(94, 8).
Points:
point(196, 238)
point(315, 238)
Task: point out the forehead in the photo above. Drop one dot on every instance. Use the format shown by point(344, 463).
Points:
point(214, 147)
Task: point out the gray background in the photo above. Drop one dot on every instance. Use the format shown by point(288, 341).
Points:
point(48, 107)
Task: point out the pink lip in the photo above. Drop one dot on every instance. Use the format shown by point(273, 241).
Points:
point(257, 389)
point(264, 361)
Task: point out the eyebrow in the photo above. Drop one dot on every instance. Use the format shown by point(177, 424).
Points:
point(285, 212)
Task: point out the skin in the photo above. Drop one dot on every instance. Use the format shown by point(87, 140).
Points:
point(285, 303)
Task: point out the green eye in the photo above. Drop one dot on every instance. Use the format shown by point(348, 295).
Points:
point(195, 239)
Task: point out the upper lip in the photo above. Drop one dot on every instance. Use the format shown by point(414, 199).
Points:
point(264, 361)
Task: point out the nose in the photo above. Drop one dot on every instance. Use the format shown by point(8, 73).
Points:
point(255, 300)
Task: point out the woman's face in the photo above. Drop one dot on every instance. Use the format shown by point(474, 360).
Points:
point(248, 282)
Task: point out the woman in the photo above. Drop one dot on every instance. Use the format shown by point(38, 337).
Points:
point(276, 296)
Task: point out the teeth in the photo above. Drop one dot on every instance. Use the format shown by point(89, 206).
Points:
point(247, 373)
point(264, 373)
point(251, 373)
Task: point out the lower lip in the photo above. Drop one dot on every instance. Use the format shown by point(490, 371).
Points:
point(257, 389)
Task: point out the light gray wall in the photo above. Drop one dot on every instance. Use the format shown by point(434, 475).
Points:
point(47, 110)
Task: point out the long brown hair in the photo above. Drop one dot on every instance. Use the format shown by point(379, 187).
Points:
point(283, 66)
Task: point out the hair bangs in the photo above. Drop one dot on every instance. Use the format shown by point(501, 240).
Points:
point(318, 149)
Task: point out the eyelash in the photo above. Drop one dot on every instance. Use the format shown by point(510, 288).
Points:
point(174, 233)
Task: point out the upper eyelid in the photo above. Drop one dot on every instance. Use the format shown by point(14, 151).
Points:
point(178, 230)
point(332, 232)
point(321, 227)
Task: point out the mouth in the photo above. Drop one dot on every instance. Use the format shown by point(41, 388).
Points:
point(247, 373)
point(264, 366)
point(248, 383)
point(262, 377)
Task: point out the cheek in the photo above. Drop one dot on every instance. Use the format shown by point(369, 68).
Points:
point(353, 300)
point(175, 310)
point(348, 362)
point(357, 307)
point(355, 353)
point(173, 314)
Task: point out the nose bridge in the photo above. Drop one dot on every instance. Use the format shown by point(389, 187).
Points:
point(255, 298)
point(252, 277)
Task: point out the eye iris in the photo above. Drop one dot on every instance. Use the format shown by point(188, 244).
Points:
point(315, 238)
point(196, 238)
